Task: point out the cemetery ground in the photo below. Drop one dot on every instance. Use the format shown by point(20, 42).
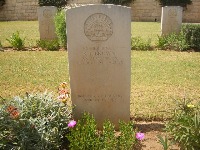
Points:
point(158, 78)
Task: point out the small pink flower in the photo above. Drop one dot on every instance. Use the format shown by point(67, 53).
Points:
point(140, 136)
point(71, 124)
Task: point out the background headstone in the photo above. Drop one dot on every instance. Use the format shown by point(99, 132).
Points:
point(46, 16)
point(171, 19)
point(99, 61)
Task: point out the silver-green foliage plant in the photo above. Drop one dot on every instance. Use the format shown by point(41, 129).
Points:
point(33, 122)
point(85, 135)
point(173, 42)
point(60, 25)
point(137, 43)
point(16, 41)
point(184, 127)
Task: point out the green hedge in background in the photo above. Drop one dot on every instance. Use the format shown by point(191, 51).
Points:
point(191, 33)
point(57, 3)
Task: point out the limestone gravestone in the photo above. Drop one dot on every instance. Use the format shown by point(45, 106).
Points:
point(171, 19)
point(46, 16)
point(99, 61)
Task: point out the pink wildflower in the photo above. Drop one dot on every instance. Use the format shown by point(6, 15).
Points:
point(140, 136)
point(71, 124)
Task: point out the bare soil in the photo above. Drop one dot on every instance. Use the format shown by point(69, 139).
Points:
point(151, 131)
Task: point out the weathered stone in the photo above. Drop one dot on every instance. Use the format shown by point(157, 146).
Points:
point(46, 16)
point(171, 19)
point(99, 61)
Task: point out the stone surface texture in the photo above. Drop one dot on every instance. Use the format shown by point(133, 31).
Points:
point(46, 16)
point(171, 19)
point(99, 61)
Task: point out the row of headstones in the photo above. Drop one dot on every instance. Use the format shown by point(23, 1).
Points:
point(171, 21)
point(99, 57)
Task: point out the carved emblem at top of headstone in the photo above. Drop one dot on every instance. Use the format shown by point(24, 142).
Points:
point(98, 27)
point(47, 13)
point(172, 13)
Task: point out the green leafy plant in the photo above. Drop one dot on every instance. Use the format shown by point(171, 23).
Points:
point(16, 41)
point(182, 3)
point(184, 127)
point(127, 136)
point(84, 135)
point(165, 142)
point(60, 25)
point(118, 2)
point(57, 3)
point(36, 121)
point(191, 33)
point(108, 139)
point(137, 43)
point(50, 45)
point(173, 42)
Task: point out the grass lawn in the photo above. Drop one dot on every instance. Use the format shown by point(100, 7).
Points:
point(29, 31)
point(158, 77)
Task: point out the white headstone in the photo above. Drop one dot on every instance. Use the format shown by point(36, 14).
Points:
point(171, 19)
point(46, 16)
point(99, 61)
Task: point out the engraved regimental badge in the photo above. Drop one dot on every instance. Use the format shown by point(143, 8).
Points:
point(47, 13)
point(98, 27)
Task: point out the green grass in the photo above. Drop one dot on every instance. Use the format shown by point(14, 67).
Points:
point(146, 30)
point(157, 77)
point(27, 30)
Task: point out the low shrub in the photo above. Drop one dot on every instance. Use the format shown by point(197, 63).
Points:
point(60, 25)
point(118, 2)
point(184, 127)
point(84, 135)
point(182, 3)
point(16, 41)
point(36, 122)
point(137, 43)
point(50, 45)
point(57, 3)
point(191, 33)
point(2, 2)
point(173, 42)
